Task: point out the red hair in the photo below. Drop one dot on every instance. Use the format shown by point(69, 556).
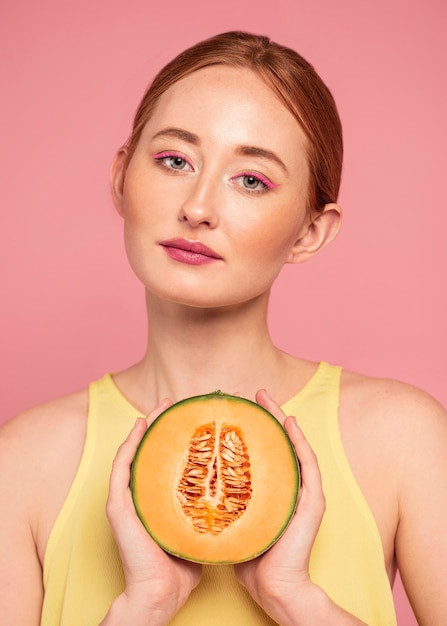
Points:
point(294, 81)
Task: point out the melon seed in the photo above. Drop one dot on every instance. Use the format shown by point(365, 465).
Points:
point(200, 484)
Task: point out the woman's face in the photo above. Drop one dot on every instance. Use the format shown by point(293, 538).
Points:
point(214, 197)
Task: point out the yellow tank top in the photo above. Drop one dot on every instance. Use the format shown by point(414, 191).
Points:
point(82, 571)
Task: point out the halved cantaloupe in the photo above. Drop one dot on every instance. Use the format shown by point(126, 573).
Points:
point(215, 479)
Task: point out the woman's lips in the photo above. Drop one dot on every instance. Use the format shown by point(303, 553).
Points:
point(191, 252)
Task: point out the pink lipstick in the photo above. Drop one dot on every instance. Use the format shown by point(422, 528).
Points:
point(190, 252)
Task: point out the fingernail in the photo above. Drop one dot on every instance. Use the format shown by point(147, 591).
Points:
point(164, 401)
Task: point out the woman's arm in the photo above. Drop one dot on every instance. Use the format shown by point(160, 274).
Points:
point(40, 450)
point(421, 541)
point(407, 430)
point(279, 580)
point(157, 584)
point(21, 587)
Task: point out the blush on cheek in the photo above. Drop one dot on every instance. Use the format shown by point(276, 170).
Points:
point(274, 242)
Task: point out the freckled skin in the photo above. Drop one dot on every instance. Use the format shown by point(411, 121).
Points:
point(210, 198)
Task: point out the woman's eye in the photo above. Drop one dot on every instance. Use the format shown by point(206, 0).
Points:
point(253, 182)
point(173, 161)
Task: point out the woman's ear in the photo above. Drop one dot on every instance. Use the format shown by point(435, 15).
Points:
point(320, 231)
point(117, 176)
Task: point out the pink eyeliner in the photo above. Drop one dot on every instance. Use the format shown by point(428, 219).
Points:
point(265, 181)
point(171, 153)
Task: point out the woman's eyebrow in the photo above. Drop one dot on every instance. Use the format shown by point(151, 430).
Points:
point(261, 153)
point(179, 133)
point(243, 150)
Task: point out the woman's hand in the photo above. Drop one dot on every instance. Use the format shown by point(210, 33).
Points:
point(157, 584)
point(276, 579)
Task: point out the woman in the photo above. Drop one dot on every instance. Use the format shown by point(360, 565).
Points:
point(232, 170)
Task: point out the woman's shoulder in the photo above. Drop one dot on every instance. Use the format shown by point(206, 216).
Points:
point(43, 438)
point(387, 399)
point(395, 438)
point(40, 451)
point(398, 422)
point(41, 425)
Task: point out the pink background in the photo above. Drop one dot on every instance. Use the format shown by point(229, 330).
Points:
point(72, 74)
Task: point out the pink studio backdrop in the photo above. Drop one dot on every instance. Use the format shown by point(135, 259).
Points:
point(72, 74)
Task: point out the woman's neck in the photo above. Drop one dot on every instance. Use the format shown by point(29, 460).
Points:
point(196, 351)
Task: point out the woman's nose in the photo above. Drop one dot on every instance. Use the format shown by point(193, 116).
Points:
point(199, 207)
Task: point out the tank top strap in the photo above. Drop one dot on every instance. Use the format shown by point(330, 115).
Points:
point(322, 391)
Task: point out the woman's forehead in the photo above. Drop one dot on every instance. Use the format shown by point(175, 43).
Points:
point(227, 101)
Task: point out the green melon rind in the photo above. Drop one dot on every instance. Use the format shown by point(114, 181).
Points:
point(217, 395)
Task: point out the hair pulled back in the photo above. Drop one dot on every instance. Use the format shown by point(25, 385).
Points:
point(294, 81)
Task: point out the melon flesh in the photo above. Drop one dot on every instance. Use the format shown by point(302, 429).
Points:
point(215, 479)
